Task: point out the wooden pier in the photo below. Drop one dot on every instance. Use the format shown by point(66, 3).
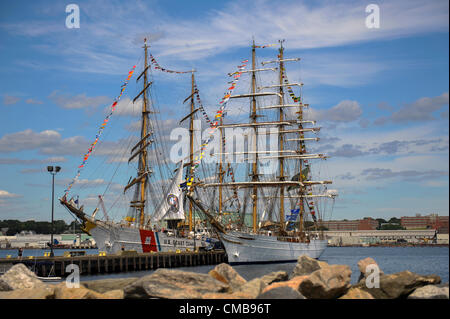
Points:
point(125, 262)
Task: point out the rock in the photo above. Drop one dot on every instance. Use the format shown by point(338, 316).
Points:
point(398, 285)
point(19, 277)
point(363, 264)
point(294, 283)
point(226, 274)
point(275, 277)
point(114, 294)
point(430, 292)
point(174, 284)
point(63, 292)
point(4, 286)
point(327, 283)
point(105, 285)
point(234, 295)
point(357, 293)
point(307, 265)
point(282, 292)
point(39, 292)
point(253, 288)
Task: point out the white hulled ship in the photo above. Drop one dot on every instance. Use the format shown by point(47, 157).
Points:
point(155, 220)
point(283, 204)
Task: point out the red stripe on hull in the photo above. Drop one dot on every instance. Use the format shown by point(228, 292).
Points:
point(148, 241)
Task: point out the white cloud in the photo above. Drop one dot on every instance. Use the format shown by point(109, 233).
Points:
point(6, 194)
point(10, 100)
point(344, 111)
point(28, 139)
point(78, 101)
point(107, 38)
point(33, 101)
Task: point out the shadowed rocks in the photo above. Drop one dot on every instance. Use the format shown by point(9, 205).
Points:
point(311, 279)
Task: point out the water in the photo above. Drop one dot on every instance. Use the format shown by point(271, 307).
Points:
point(421, 260)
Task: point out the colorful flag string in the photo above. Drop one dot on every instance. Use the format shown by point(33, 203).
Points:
point(200, 105)
point(219, 114)
point(100, 130)
point(264, 46)
point(296, 99)
point(158, 67)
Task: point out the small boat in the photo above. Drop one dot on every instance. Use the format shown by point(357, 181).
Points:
point(49, 279)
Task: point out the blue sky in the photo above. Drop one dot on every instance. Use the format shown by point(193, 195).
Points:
point(381, 95)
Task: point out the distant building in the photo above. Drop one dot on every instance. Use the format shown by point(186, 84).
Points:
point(432, 221)
point(366, 223)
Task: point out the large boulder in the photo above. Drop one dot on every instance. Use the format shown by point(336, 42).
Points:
point(226, 274)
point(64, 292)
point(114, 294)
point(253, 287)
point(105, 285)
point(357, 293)
point(19, 277)
point(282, 292)
point(327, 283)
point(221, 295)
point(174, 284)
point(276, 276)
point(398, 285)
point(38, 292)
point(363, 267)
point(430, 292)
point(307, 265)
point(294, 283)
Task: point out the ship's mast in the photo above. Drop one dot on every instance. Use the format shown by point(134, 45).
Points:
point(281, 137)
point(253, 120)
point(191, 141)
point(143, 157)
point(221, 172)
point(302, 151)
point(141, 146)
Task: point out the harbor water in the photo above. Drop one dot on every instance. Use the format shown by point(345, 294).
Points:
point(422, 260)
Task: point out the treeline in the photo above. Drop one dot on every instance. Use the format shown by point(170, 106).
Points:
point(391, 224)
point(13, 227)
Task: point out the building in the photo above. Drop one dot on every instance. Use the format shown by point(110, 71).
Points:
point(414, 222)
point(432, 221)
point(366, 223)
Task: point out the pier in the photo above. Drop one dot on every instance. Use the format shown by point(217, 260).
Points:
point(125, 262)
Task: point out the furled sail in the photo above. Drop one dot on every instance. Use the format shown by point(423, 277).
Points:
point(171, 206)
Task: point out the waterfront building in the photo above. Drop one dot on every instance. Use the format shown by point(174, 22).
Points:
point(432, 221)
point(366, 223)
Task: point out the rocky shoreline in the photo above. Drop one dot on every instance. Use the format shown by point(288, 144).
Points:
point(310, 279)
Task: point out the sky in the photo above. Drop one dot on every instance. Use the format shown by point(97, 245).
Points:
point(379, 94)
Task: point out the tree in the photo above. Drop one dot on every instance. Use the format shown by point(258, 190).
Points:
point(394, 220)
point(391, 227)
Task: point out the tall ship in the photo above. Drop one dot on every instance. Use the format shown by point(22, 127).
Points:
point(268, 206)
point(155, 219)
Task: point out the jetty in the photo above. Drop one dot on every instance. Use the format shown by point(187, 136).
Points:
point(125, 261)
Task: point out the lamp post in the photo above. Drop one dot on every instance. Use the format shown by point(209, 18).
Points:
point(52, 170)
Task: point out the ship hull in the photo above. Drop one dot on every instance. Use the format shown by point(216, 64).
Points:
point(114, 238)
point(243, 248)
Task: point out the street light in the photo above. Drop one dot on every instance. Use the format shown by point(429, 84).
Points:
point(52, 170)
